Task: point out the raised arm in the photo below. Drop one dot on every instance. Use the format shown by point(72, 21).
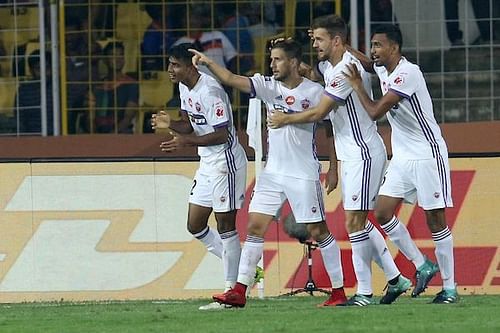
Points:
point(225, 76)
point(365, 61)
point(375, 109)
point(279, 119)
point(309, 72)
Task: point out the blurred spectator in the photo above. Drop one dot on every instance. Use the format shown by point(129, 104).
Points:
point(305, 13)
point(212, 42)
point(117, 98)
point(81, 70)
point(234, 24)
point(158, 37)
point(262, 17)
point(483, 19)
point(96, 16)
point(28, 111)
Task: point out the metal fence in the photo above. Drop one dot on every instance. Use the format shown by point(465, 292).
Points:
point(113, 66)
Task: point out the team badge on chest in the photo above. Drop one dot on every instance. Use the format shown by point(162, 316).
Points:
point(290, 100)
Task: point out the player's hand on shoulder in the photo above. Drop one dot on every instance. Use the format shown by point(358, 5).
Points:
point(160, 120)
point(276, 119)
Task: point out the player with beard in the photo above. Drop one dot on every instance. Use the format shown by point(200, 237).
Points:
point(292, 169)
point(362, 153)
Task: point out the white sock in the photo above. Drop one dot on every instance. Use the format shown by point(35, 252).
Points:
point(330, 252)
point(230, 256)
point(211, 240)
point(361, 260)
point(250, 256)
point(400, 236)
point(444, 255)
point(381, 254)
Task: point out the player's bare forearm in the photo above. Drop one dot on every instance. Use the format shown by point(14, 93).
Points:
point(332, 173)
point(224, 75)
point(228, 78)
point(374, 109)
point(279, 119)
point(181, 126)
point(211, 139)
point(310, 116)
point(365, 61)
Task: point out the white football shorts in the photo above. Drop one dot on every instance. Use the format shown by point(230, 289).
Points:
point(304, 196)
point(426, 181)
point(360, 181)
point(222, 192)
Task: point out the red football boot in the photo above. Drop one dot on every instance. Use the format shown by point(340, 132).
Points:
point(232, 297)
point(336, 297)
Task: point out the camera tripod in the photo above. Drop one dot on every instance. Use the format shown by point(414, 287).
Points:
point(310, 286)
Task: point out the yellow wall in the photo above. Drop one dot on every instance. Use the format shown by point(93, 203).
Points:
point(99, 231)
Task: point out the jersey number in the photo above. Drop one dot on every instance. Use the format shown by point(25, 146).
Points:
point(192, 187)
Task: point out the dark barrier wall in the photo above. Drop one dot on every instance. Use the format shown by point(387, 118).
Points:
point(462, 138)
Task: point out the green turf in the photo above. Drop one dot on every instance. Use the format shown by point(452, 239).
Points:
point(282, 314)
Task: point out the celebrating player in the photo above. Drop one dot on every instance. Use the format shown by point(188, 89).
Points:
point(292, 169)
point(361, 152)
point(419, 168)
point(220, 181)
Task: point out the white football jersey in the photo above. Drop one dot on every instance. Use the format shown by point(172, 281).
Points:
point(356, 136)
point(415, 132)
point(208, 107)
point(291, 149)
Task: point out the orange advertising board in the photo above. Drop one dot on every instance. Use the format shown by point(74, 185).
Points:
point(117, 230)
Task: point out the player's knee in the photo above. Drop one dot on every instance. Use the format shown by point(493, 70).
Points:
point(383, 215)
point(436, 220)
point(256, 229)
point(355, 221)
point(354, 225)
point(318, 231)
point(195, 228)
point(225, 224)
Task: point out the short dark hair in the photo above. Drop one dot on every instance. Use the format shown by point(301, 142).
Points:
point(334, 24)
point(181, 52)
point(392, 32)
point(291, 47)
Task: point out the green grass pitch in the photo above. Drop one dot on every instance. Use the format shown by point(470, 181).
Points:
point(475, 314)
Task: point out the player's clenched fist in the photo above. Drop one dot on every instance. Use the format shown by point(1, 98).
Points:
point(160, 120)
point(174, 141)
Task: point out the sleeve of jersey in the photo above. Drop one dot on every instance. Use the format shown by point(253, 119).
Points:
point(337, 88)
point(181, 96)
point(218, 112)
point(261, 87)
point(404, 83)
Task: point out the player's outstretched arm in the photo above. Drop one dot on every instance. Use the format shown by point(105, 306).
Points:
point(375, 109)
point(279, 119)
point(225, 76)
